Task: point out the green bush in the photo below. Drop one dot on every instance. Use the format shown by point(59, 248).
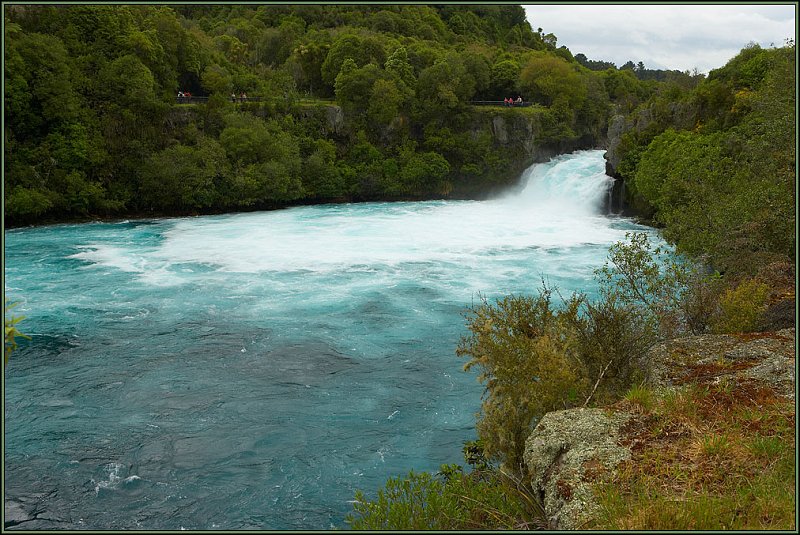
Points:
point(644, 278)
point(10, 331)
point(611, 341)
point(451, 500)
point(24, 202)
point(741, 307)
point(700, 301)
point(526, 362)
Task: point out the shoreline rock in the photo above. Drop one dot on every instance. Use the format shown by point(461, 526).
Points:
point(569, 450)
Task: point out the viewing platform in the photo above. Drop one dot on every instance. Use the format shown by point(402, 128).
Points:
point(203, 99)
point(499, 103)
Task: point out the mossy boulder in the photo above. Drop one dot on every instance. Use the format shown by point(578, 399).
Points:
point(568, 451)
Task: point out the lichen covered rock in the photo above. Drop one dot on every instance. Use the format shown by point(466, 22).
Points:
point(768, 358)
point(568, 451)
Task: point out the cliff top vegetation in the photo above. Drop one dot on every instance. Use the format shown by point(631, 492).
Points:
point(95, 127)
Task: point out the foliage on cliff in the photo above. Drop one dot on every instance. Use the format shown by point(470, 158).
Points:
point(717, 162)
point(93, 126)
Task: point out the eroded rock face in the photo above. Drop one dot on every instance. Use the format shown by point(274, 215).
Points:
point(499, 130)
point(616, 127)
point(568, 451)
point(335, 118)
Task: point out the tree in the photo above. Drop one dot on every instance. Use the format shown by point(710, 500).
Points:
point(385, 102)
point(321, 177)
point(183, 177)
point(354, 87)
point(444, 86)
point(504, 77)
point(129, 83)
point(39, 84)
point(546, 79)
point(398, 66)
point(624, 88)
point(424, 172)
point(309, 56)
point(273, 46)
point(216, 79)
point(349, 46)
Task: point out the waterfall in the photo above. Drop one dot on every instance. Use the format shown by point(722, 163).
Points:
point(570, 184)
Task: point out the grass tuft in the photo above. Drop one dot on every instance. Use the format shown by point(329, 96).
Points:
point(640, 396)
point(706, 457)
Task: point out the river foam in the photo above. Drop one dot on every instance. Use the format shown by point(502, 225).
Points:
point(254, 370)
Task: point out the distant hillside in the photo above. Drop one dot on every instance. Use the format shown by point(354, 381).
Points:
point(94, 126)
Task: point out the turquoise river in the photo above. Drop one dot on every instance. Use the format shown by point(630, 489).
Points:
point(251, 371)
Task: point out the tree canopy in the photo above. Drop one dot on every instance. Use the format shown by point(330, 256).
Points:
point(94, 127)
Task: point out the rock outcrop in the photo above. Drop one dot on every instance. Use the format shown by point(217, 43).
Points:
point(568, 451)
point(766, 357)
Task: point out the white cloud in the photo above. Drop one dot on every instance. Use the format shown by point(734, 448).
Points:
point(664, 36)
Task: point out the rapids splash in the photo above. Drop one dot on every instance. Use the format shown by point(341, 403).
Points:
point(254, 370)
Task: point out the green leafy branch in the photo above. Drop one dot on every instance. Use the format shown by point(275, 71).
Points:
point(11, 332)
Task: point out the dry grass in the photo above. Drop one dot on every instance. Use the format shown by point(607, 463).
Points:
point(713, 454)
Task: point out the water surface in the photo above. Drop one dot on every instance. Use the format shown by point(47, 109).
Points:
point(254, 370)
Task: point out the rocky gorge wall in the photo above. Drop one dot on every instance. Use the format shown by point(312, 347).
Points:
point(519, 137)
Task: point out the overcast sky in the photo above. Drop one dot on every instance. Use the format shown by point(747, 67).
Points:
point(664, 36)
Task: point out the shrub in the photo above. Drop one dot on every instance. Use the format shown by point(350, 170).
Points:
point(641, 396)
point(700, 302)
point(525, 360)
point(10, 331)
point(451, 500)
point(641, 276)
point(741, 307)
point(612, 339)
point(25, 202)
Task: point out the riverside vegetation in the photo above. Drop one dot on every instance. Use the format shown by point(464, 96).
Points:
point(537, 356)
point(714, 165)
point(355, 103)
point(94, 130)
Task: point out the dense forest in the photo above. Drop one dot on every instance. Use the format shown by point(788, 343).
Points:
point(344, 103)
point(715, 165)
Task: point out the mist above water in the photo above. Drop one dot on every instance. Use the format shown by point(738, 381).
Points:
point(253, 370)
